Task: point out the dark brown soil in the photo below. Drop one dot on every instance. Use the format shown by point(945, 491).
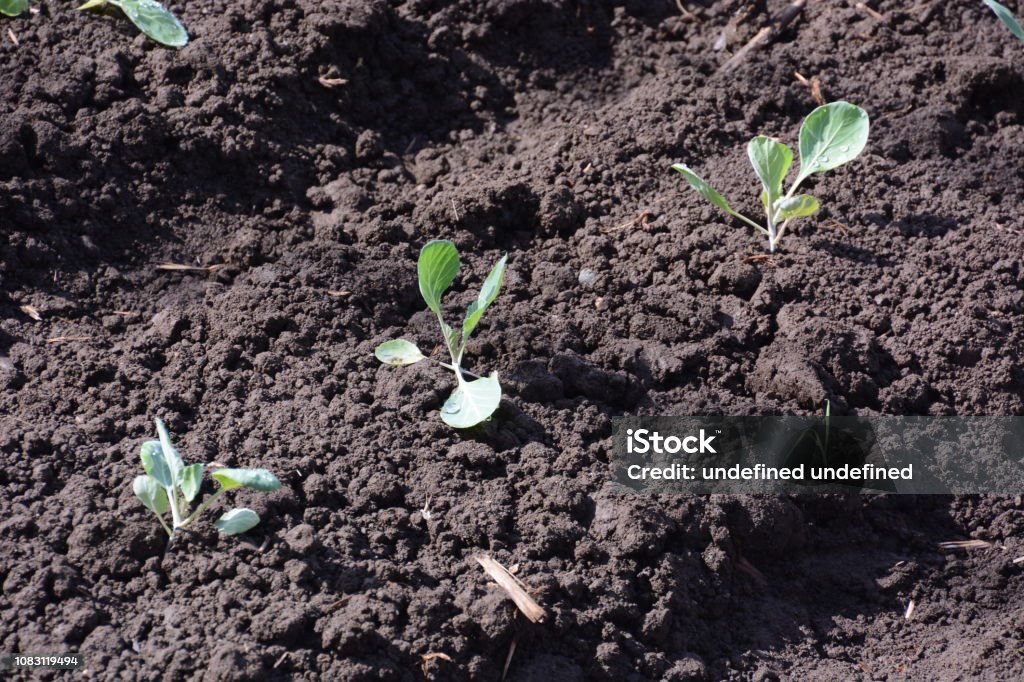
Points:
point(546, 129)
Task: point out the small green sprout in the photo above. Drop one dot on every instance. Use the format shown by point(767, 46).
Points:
point(472, 401)
point(169, 484)
point(152, 18)
point(13, 8)
point(830, 136)
point(1006, 16)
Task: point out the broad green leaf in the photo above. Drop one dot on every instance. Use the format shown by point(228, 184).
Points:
point(800, 206)
point(1006, 16)
point(771, 161)
point(438, 265)
point(831, 135)
point(154, 463)
point(257, 479)
point(237, 521)
point(191, 481)
point(488, 292)
point(706, 190)
point(155, 20)
point(150, 493)
point(171, 456)
point(13, 8)
point(398, 352)
point(472, 402)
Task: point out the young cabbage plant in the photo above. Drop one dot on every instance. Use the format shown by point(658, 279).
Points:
point(472, 401)
point(152, 18)
point(170, 485)
point(1006, 16)
point(13, 8)
point(830, 136)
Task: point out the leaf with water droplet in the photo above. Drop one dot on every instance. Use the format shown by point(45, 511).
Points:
point(830, 136)
point(472, 402)
point(152, 18)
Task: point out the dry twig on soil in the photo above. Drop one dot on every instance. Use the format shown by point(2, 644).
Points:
point(965, 544)
point(178, 267)
point(513, 587)
point(766, 34)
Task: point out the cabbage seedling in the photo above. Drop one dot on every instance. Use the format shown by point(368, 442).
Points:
point(170, 485)
point(1006, 16)
point(830, 136)
point(472, 401)
point(152, 18)
point(13, 8)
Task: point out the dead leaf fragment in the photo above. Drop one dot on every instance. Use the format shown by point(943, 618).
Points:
point(31, 311)
point(513, 587)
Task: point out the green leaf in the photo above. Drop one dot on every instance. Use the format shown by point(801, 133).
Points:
point(472, 402)
point(171, 456)
point(191, 481)
point(257, 479)
point(438, 265)
point(488, 292)
point(771, 161)
point(1006, 16)
point(237, 521)
point(155, 20)
point(706, 190)
point(800, 206)
point(398, 352)
point(13, 8)
point(154, 463)
point(150, 493)
point(831, 135)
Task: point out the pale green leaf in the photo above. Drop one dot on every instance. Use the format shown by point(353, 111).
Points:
point(155, 20)
point(13, 8)
point(237, 521)
point(398, 352)
point(472, 402)
point(150, 493)
point(438, 265)
point(154, 463)
point(488, 292)
point(171, 456)
point(1006, 16)
point(92, 4)
point(771, 161)
point(257, 479)
point(705, 190)
point(830, 136)
point(800, 206)
point(191, 481)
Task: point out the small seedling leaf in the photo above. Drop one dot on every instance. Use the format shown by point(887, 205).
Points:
point(800, 206)
point(706, 190)
point(1006, 16)
point(154, 463)
point(13, 8)
point(191, 481)
point(438, 265)
point(771, 161)
point(150, 493)
point(171, 456)
point(257, 479)
point(155, 20)
point(831, 135)
point(488, 292)
point(472, 402)
point(398, 352)
point(237, 521)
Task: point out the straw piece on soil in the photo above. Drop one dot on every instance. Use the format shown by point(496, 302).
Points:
point(31, 311)
point(508, 659)
point(331, 82)
point(61, 339)
point(508, 582)
point(339, 293)
point(14, 38)
point(965, 544)
point(766, 35)
point(909, 613)
point(1019, 560)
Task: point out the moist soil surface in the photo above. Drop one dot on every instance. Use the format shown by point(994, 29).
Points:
point(298, 153)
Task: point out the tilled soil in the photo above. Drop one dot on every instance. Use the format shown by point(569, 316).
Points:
point(544, 129)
